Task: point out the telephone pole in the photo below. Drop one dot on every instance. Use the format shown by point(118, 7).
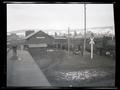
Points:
point(84, 29)
point(68, 42)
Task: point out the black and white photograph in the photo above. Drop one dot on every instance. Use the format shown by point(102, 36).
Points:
point(61, 45)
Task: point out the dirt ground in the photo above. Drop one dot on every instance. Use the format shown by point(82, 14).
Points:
point(75, 70)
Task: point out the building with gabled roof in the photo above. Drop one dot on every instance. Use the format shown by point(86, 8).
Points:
point(39, 39)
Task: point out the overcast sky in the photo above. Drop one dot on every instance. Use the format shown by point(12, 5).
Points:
point(58, 16)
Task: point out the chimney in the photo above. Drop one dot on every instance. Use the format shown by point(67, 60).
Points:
point(29, 32)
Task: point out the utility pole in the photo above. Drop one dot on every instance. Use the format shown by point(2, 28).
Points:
point(68, 42)
point(84, 29)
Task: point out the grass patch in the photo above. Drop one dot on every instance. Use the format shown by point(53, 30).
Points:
point(52, 63)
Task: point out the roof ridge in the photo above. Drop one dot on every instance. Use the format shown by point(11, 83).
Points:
point(35, 33)
point(32, 34)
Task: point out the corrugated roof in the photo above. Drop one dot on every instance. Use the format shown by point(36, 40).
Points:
point(35, 33)
point(31, 34)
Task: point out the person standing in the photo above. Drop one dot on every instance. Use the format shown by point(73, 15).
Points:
point(14, 47)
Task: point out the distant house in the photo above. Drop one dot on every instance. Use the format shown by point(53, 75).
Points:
point(38, 39)
point(60, 42)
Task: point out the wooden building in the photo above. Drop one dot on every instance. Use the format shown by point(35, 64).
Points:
point(39, 39)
